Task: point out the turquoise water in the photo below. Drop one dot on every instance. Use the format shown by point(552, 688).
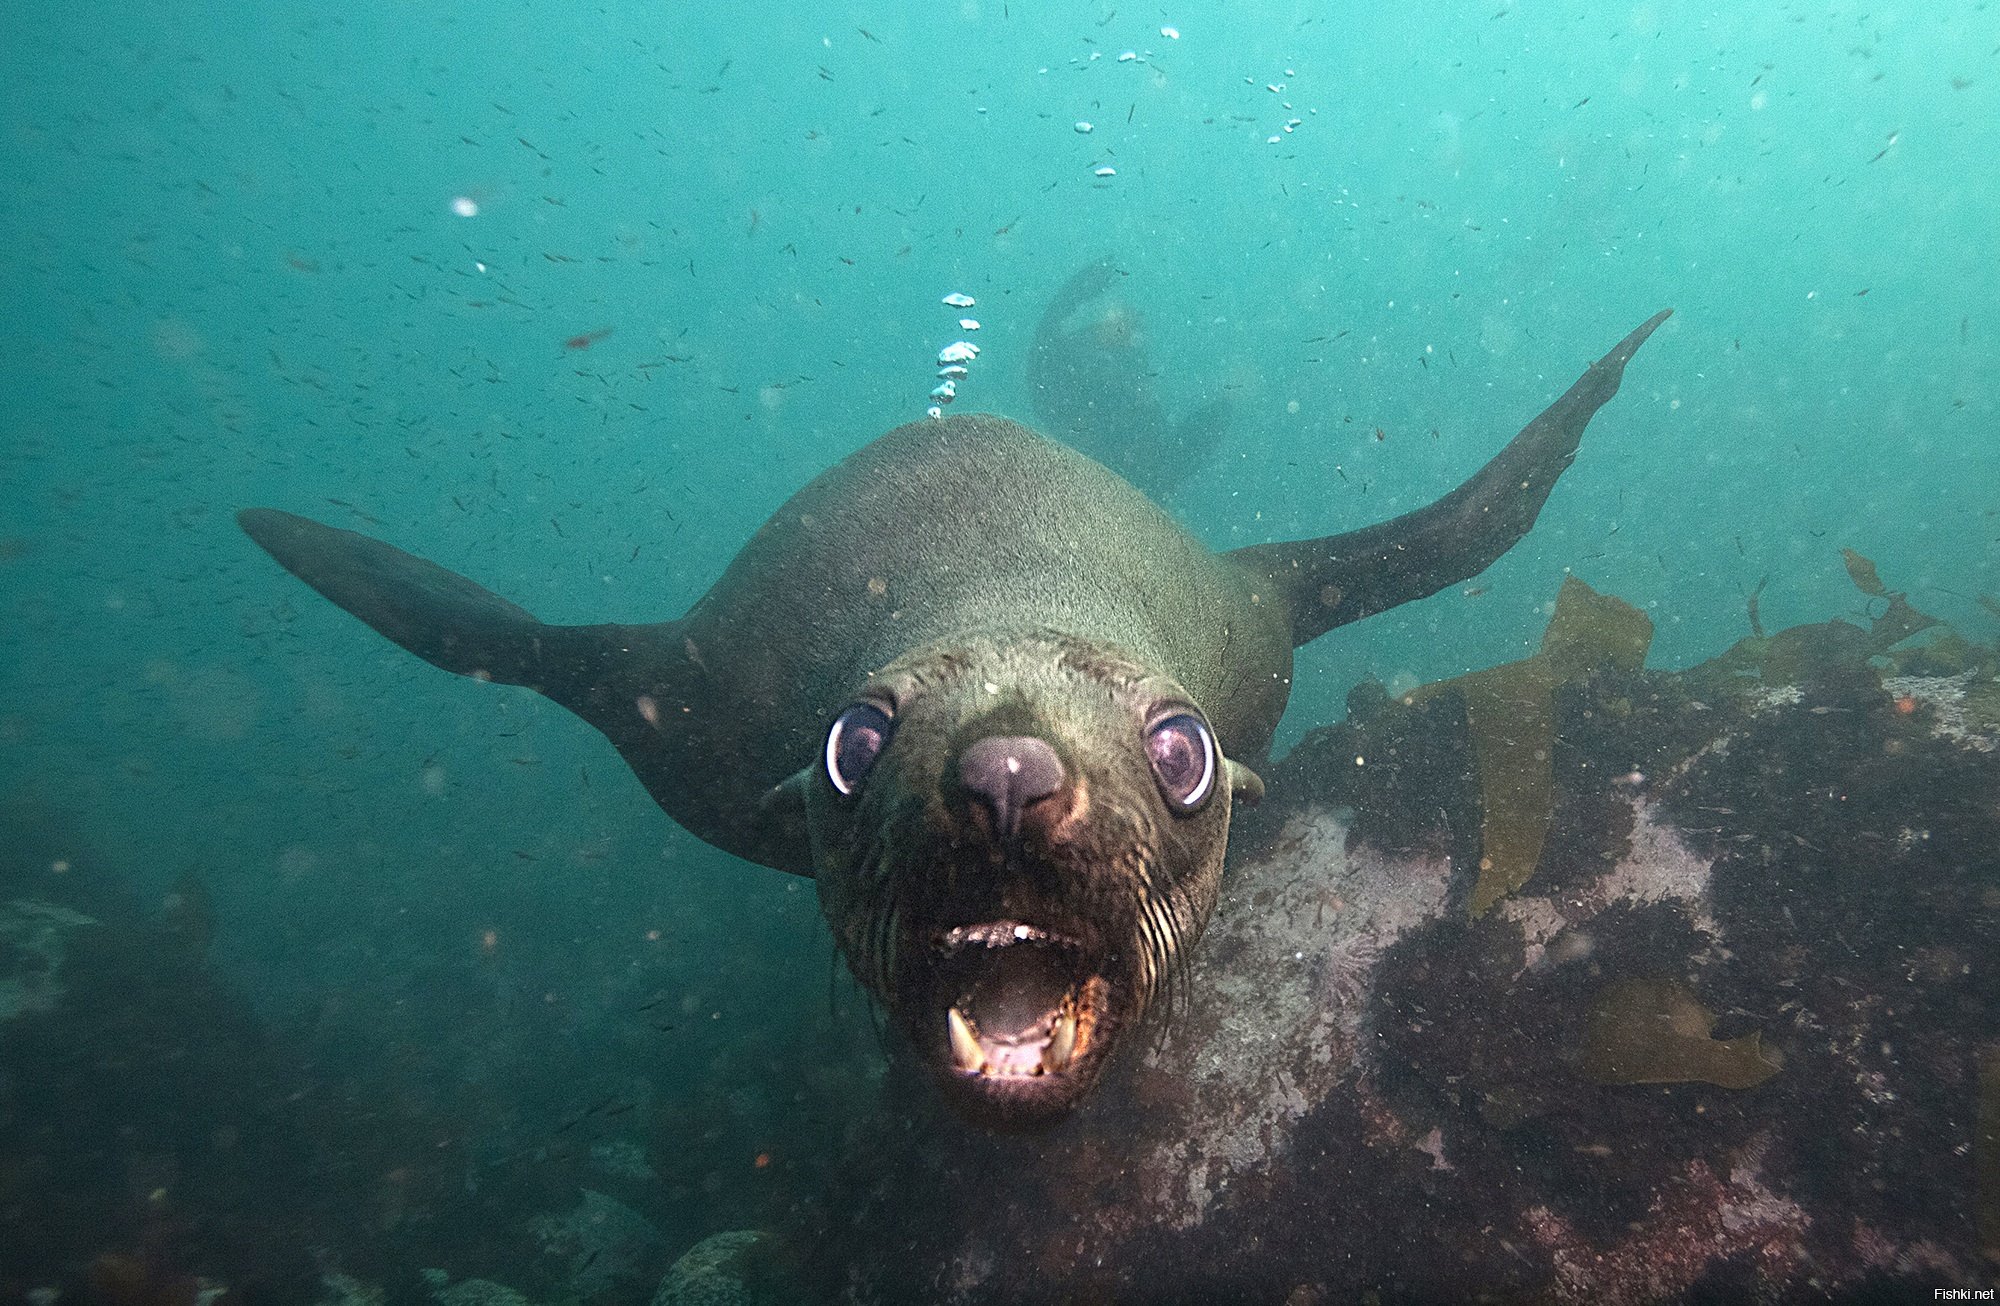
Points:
point(332, 259)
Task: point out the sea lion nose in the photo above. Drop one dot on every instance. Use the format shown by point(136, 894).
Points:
point(1008, 772)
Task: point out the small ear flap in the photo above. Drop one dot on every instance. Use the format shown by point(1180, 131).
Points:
point(781, 813)
point(1245, 785)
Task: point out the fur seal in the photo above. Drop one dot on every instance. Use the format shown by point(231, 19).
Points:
point(1090, 379)
point(990, 696)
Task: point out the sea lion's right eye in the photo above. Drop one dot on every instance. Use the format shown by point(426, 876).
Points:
point(857, 738)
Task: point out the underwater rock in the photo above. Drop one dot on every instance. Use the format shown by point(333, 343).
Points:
point(471, 1292)
point(1986, 1152)
point(346, 1290)
point(601, 1241)
point(1368, 1090)
point(714, 1272)
point(158, 1135)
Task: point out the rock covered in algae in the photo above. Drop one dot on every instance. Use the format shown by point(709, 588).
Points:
point(602, 1241)
point(717, 1271)
point(1657, 1032)
point(1369, 1092)
point(1986, 1151)
point(337, 1289)
point(471, 1292)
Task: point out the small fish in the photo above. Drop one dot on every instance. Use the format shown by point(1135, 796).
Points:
point(587, 339)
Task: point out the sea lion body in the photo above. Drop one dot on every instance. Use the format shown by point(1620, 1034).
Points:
point(990, 696)
point(1092, 379)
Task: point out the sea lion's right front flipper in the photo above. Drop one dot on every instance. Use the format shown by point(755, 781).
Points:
point(1331, 581)
point(634, 683)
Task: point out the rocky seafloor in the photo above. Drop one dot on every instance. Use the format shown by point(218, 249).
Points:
point(1567, 981)
point(1564, 981)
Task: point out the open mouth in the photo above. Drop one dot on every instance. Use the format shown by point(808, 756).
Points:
point(1023, 1001)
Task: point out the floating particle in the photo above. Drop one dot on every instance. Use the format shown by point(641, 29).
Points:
point(1106, 171)
point(481, 266)
point(1290, 73)
point(933, 412)
point(958, 351)
point(957, 300)
point(1272, 140)
point(945, 392)
point(1128, 57)
point(1274, 87)
point(1171, 33)
point(1083, 128)
point(968, 324)
point(952, 373)
point(465, 206)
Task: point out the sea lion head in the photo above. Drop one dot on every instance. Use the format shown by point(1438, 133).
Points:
point(1016, 841)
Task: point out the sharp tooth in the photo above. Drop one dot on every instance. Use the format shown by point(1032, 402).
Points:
point(1062, 1043)
point(965, 1049)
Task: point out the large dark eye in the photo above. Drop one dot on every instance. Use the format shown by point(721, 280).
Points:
point(1182, 751)
point(856, 740)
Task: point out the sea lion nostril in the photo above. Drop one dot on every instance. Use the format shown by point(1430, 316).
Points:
point(1008, 772)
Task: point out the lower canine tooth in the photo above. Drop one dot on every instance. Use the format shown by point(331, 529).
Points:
point(1062, 1044)
point(965, 1049)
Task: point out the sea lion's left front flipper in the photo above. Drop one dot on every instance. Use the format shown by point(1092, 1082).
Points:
point(1331, 581)
point(624, 680)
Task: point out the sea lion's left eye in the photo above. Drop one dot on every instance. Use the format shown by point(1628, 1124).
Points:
point(1182, 750)
point(857, 738)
